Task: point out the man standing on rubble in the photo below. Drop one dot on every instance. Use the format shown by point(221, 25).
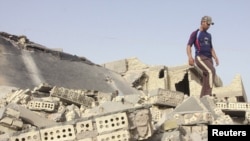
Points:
point(204, 54)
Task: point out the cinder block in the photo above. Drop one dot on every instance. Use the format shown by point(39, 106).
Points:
point(72, 96)
point(40, 105)
point(167, 97)
point(111, 122)
point(60, 133)
point(28, 136)
point(84, 126)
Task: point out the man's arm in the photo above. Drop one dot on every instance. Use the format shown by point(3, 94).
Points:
point(190, 57)
point(215, 56)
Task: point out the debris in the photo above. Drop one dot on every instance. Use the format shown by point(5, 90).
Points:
point(120, 100)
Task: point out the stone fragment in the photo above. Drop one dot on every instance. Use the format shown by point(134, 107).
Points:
point(31, 117)
point(170, 125)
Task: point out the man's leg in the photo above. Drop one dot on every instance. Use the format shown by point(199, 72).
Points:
point(206, 65)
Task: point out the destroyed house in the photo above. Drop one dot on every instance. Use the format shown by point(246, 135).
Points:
point(183, 78)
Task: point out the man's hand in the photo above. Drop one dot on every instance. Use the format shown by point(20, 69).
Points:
point(191, 61)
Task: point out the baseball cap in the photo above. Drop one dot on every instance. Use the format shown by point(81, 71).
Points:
point(208, 19)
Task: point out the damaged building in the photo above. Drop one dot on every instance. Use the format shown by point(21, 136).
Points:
point(49, 95)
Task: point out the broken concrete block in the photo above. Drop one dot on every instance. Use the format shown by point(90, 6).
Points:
point(170, 125)
point(60, 132)
point(6, 121)
point(103, 97)
point(57, 117)
point(72, 112)
point(72, 96)
point(166, 97)
point(27, 136)
point(84, 126)
point(140, 123)
point(31, 117)
point(71, 115)
point(12, 113)
point(190, 105)
point(17, 124)
point(41, 106)
point(85, 130)
point(11, 122)
point(112, 122)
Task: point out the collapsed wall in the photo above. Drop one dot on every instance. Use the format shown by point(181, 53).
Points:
point(183, 78)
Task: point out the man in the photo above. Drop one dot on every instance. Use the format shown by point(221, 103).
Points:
point(204, 54)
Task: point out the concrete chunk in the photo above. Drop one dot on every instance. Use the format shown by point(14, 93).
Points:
point(12, 113)
point(31, 117)
point(62, 133)
point(28, 136)
point(189, 105)
point(170, 125)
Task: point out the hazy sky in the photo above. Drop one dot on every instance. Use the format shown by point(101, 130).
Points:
point(155, 31)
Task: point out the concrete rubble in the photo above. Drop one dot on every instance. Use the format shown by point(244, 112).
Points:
point(133, 101)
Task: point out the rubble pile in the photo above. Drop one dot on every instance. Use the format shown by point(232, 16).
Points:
point(128, 101)
point(49, 113)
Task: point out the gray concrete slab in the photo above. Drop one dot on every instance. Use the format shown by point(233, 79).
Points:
point(189, 105)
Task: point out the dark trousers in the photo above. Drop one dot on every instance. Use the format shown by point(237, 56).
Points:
point(207, 67)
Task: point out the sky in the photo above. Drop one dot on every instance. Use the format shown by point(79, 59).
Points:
point(154, 31)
